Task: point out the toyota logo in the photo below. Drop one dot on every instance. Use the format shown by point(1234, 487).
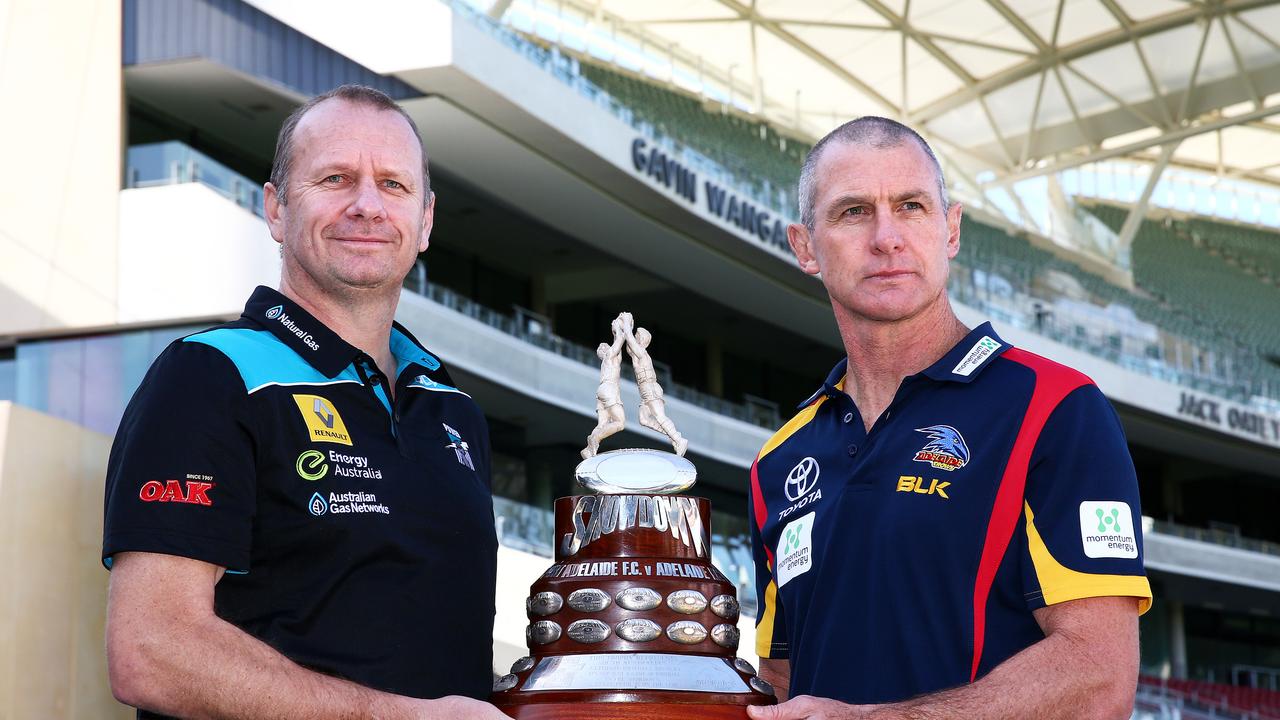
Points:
point(802, 478)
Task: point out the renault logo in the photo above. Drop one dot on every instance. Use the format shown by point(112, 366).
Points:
point(802, 478)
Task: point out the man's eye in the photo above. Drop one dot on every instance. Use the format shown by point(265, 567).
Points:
point(856, 210)
point(333, 179)
point(394, 184)
point(912, 205)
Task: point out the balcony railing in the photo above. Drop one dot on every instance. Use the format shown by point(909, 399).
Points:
point(756, 411)
point(1228, 538)
point(173, 163)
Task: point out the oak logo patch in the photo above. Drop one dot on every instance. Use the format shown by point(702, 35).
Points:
point(193, 492)
point(324, 424)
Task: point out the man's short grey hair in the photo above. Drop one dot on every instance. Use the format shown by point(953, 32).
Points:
point(878, 132)
point(364, 95)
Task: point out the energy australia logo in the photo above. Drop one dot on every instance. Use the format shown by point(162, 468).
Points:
point(275, 312)
point(318, 506)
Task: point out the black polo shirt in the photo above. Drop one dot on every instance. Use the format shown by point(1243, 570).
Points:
point(357, 529)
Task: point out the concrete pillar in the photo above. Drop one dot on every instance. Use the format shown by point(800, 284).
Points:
point(715, 366)
point(1177, 639)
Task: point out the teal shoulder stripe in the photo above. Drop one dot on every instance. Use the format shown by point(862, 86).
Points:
point(264, 361)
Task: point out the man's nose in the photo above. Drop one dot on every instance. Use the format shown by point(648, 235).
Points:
point(888, 233)
point(367, 203)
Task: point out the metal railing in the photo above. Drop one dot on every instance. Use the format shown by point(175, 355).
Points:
point(174, 163)
point(1215, 536)
point(539, 335)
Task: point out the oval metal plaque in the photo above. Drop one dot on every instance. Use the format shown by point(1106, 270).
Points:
point(726, 635)
point(544, 603)
point(543, 632)
point(636, 470)
point(686, 632)
point(761, 686)
point(589, 631)
point(726, 606)
point(589, 600)
point(523, 664)
point(743, 666)
point(639, 598)
point(506, 682)
point(687, 602)
point(638, 630)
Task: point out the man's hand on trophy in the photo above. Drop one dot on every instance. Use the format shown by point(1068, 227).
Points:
point(806, 707)
point(456, 707)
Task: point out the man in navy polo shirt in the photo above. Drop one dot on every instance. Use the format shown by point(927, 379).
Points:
point(950, 527)
point(298, 511)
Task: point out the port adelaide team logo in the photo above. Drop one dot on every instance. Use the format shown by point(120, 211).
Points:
point(946, 449)
point(459, 447)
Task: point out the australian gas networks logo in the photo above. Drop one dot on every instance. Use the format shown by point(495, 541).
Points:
point(278, 314)
point(346, 503)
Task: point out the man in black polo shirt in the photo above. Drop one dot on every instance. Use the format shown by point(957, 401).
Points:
point(298, 517)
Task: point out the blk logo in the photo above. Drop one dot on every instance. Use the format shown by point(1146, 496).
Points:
point(195, 493)
point(802, 478)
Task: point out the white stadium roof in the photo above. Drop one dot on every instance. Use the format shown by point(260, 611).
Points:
point(1006, 89)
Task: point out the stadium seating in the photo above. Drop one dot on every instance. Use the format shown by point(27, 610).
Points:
point(1210, 274)
point(753, 151)
point(1220, 700)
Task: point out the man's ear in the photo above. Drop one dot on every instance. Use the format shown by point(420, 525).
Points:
point(801, 241)
point(274, 210)
point(428, 221)
point(954, 213)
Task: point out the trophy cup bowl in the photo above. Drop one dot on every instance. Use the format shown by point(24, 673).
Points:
point(632, 620)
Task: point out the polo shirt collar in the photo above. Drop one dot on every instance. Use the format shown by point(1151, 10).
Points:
point(969, 357)
point(832, 386)
point(300, 331)
point(408, 350)
point(961, 364)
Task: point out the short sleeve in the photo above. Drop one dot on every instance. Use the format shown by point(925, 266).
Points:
point(771, 627)
point(1082, 521)
point(180, 478)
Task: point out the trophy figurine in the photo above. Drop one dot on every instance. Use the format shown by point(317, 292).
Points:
point(632, 620)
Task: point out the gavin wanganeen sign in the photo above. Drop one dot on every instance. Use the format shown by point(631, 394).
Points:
point(754, 222)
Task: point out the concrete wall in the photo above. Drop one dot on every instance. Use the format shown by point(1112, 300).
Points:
point(60, 76)
point(53, 589)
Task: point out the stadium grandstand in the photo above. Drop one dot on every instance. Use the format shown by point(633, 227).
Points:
point(1118, 160)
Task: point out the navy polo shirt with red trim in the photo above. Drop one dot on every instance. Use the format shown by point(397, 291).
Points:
point(355, 523)
point(909, 559)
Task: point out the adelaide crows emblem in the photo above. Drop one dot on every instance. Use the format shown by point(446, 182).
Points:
point(945, 450)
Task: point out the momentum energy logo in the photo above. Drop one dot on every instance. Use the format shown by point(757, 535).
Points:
point(1106, 529)
point(278, 314)
point(795, 549)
